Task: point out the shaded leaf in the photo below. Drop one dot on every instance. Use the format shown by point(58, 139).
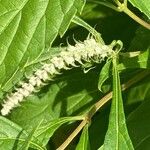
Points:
point(98, 127)
point(141, 40)
point(138, 93)
point(138, 125)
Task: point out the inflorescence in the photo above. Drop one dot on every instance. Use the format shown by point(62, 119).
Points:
point(74, 56)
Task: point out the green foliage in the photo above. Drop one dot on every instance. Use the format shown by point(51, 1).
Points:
point(143, 6)
point(13, 136)
point(117, 135)
point(30, 32)
point(104, 74)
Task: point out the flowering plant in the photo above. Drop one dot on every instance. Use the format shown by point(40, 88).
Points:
point(88, 93)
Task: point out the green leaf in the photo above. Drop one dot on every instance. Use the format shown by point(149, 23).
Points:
point(141, 40)
point(142, 5)
point(28, 140)
point(140, 61)
point(104, 74)
point(84, 140)
point(68, 8)
point(117, 135)
point(13, 137)
point(28, 28)
point(138, 93)
point(138, 125)
point(45, 131)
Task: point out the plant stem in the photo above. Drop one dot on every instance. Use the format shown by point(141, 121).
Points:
point(99, 104)
point(124, 86)
point(122, 7)
point(136, 18)
point(73, 135)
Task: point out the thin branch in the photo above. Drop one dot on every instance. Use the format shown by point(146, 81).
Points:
point(122, 7)
point(124, 86)
point(73, 135)
point(99, 104)
point(134, 17)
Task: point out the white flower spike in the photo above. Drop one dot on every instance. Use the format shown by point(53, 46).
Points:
point(74, 56)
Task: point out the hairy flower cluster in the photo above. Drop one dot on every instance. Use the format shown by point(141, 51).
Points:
point(74, 56)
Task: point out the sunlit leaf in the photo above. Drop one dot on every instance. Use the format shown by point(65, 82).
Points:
point(28, 140)
point(117, 135)
point(13, 137)
point(27, 28)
